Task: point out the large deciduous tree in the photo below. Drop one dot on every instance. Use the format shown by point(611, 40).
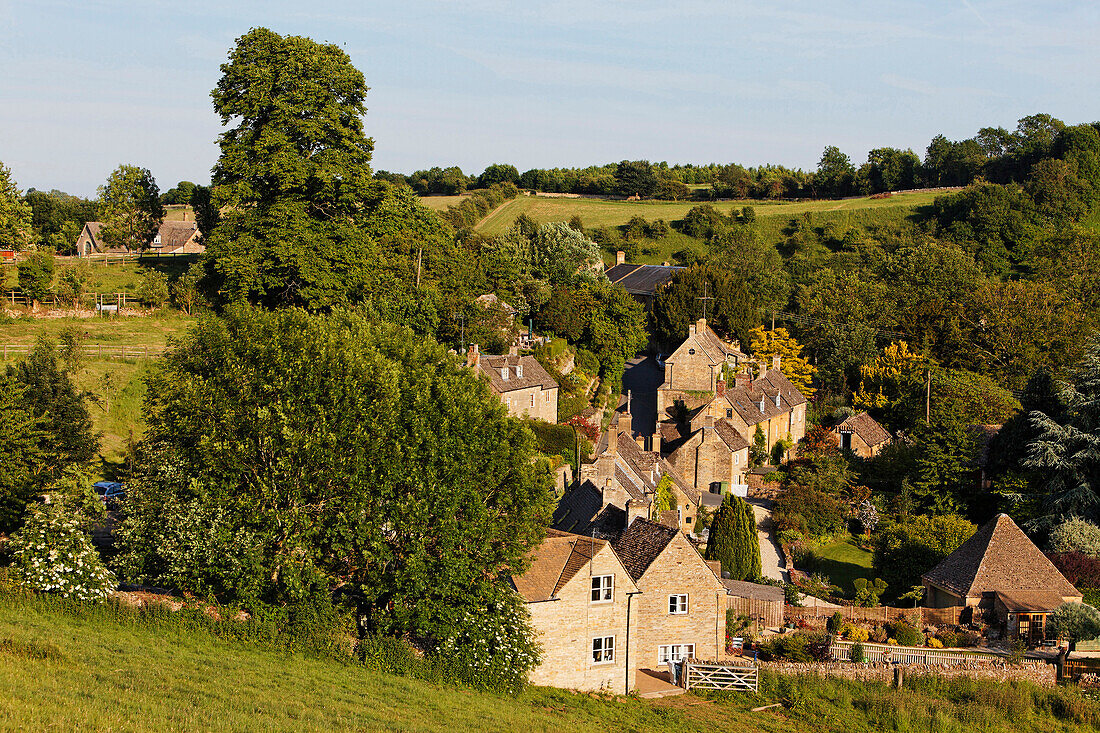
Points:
point(131, 208)
point(294, 172)
point(906, 549)
point(290, 455)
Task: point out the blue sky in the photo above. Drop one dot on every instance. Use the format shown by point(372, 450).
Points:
point(89, 85)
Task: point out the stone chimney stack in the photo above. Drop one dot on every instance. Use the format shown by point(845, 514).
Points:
point(743, 380)
point(612, 440)
point(634, 510)
point(620, 257)
point(775, 362)
point(473, 357)
point(721, 387)
point(700, 325)
point(626, 419)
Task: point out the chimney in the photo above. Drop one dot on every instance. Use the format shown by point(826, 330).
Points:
point(775, 362)
point(634, 510)
point(613, 494)
point(473, 358)
point(620, 257)
point(612, 440)
point(721, 387)
point(742, 380)
point(513, 350)
point(700, 325)
point(626, 419)
point(708, 428)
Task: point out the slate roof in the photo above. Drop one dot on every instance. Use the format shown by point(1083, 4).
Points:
point(757, 591)
point(534, 375)
point(641, 279)
point(173, 234)
point(999, 558)
point(733, 439)
point(1030, 600)
point(747, 401)
point(866, 427)
point(554, 563)
point(715, 349)
point(579, 511)
point(640, 544)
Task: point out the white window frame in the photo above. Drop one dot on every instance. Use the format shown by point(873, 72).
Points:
point(674, 652)
point(604, 586)
point(678, 604)
point(603, 649)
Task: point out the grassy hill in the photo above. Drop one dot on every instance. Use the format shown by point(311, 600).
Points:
point(602, 212)
point(66, 667)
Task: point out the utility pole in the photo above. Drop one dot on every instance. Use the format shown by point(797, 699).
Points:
point(460, 319)
point(419, 257)
point(928, 396)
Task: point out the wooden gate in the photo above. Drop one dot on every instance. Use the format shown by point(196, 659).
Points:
point(720, 676)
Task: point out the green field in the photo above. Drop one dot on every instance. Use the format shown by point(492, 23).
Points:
point(843, 562)
point(602, 212)
point(67, 667)
point(441, 203)
point(110, 278)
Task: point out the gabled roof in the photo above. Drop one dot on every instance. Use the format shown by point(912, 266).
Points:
point(999, 557)
point(641, 279)
point(733, 439)
point(579, 511)
point(758, 591)
point(554, 563)
point(173, 234)
point(534, 375)
point(866, 427)
point(641, 543)
point(715, 349)
point(762, 391)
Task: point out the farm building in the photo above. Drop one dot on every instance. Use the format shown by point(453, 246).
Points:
point(641, 281)
point(862, 435)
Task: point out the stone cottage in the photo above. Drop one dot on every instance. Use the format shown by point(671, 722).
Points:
point(173, 237)
point(862, 435)
point(524, 386)
point(1000, 573)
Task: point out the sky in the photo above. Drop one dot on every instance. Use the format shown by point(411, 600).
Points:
point(86, 86)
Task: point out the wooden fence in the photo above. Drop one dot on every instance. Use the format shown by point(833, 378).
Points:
point(97, 351)
point(1073, 667)
point(878, 614)
point(768, 614)
point(710, 676)
point(15, 297)
point(841, 651)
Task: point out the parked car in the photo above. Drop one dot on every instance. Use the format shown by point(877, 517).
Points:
point(110, 492)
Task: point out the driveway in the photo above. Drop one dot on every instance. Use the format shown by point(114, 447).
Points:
point(772, 564)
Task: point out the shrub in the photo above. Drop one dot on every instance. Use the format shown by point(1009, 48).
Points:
point(36, 275)
point(808, 511)
point(1074, 622)
point(868, 591)
point(835, 623)
point(797, 647)
point(52, 554)
point(966, 639)
point(904, 550)
point(879, 635)
point(733, 539)
point(73, 281)
point(906, 635)
point(1076, 535)
point(935, 643)
point(153, 290)
point(494, 648)
point(859, 635)
point(857, 653)
point(1080, 569)
point(948, 638)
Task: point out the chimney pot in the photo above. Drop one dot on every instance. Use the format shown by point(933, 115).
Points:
point(775, 361)
point(473, 358)
point(620, 257)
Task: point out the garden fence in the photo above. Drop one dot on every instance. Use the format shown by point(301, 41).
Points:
point(841, 651)
point(727, 676)
point(97, 351)
point(877, 614)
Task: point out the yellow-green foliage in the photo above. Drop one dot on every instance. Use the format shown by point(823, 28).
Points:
point(766, 344)
point(858, 634)
point(881, 383)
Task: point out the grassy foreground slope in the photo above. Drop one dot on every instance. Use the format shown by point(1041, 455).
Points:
point(602, 212)
point(67, 668)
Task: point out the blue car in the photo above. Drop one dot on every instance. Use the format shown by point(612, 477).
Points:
point(110, 491)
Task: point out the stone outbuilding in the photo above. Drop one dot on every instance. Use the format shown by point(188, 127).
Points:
point(1000, 573)
point(173, 237)
point(862, 434)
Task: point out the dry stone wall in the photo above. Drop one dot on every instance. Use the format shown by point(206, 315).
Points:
point(1040, 673)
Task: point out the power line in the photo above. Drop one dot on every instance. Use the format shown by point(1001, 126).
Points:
point(814, 321)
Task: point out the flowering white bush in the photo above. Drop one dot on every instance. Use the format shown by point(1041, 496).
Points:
point(495, 646)
point(868, 516)
point(52, 554)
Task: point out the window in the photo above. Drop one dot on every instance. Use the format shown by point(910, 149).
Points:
point(736, 459)
point(678, 603)
point(729, 412)
point(532, 400)
point(674, 652)
point(603, 588)
point(603, 649)
point(546, 396)
point(691, 351)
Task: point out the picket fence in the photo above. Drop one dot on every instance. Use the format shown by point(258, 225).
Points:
point(841, 651)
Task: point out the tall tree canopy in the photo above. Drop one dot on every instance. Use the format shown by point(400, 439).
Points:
point(15, 214)
point(131, 209)
point(295, 171)
point(289, 455)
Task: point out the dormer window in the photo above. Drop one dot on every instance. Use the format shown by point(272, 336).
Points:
point(519, 372)
point(761, 402)
point(504, 373)
point(777, 400)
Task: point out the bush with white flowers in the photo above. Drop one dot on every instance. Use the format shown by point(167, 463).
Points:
point(494, 647)
point(52, 554)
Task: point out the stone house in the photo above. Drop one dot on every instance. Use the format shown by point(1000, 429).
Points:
point(580, 597)
point(623, 485)
point(524, 386)
point(862, 435)
point(693, 371)
point(173, 237)
point(1000, 573)
point(714, 457)
point(681, 610)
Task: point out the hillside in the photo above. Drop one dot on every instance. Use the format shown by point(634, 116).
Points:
point(603, 212)
point(64, 666)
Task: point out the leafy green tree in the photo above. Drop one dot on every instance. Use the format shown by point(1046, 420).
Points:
point(943, 477)
point(732, 312)
point(498, 173)
point(153, 290)
point(1067, 447)
point(766, 344)
point(185, 289)
point(131, 208)
point(73, 282)
point(180, 194)
point(36, 275)
point(635, 178)
point(561, 253)
point(734, 540)
point(868, 591)
point(1074, 622)
point(344, 453)
point(207, 214)
point(906, 549)
point(890, 169)
point(22, 440)
point(599, 318)
point(1076, 535)
point(294, 171)
point(15, 214)
point(835, 175)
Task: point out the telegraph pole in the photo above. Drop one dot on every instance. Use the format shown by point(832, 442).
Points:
point(928, 396)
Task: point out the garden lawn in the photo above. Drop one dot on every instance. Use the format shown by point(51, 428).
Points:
point(843, 562)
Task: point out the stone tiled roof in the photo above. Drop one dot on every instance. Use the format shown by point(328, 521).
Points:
point(866, 427)
point(641, 279)
point(175, 234)
point(533, 373)
point(1030, 600)
point(757, 591)
point(733, 439)
point(554, 563)
point(579, 511)
point(998, 557)
point(714, 348)
point(641, 543)
point(747, 401)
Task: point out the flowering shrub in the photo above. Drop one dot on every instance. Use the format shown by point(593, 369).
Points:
point(935, 643)
point(53, 555)
point(493, 648)
point(868, 516)
point(859, 635)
